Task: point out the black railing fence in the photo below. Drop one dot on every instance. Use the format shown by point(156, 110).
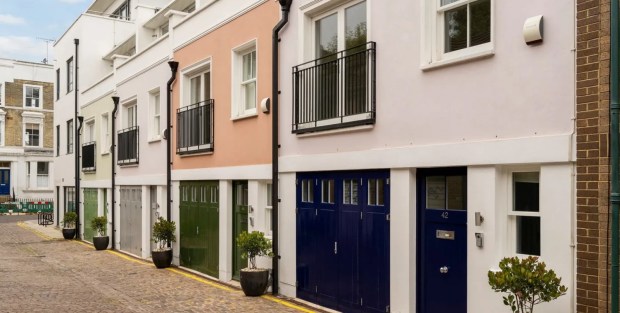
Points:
point(128, 146)
point(89, 156)
point(335, 91)
point(195, 127)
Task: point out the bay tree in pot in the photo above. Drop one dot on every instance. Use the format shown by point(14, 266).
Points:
point(254, 280)
point(163, 235)
point(100, 224)
point(68, 222)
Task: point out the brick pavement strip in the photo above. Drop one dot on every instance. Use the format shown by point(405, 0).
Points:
point(40, 274)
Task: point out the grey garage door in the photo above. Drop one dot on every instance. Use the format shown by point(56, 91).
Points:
point(131, 220)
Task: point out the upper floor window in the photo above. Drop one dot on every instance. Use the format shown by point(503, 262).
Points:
point(105, 133)
point(1, 95)
point(69, 136)
point(155, 114)
point(70, 75)
point(123, 11)
point(131, 116)
point(57, 84)
point(457, 30)
point(33, 96)
point(57, 140)
point(244, 86)
point(32, 134)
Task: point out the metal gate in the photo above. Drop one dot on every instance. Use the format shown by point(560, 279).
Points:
point(343, 241)
point(240, 223)
point(131, 220)
point(199, 231)
point(90, 212)
point(442, 240)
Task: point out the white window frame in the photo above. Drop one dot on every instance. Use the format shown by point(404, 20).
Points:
point(268, 210)
point(432, 47)
point(2, 127)
point(89, 130)
point(238, 110)
point(154, 115)
point(511, 215)
point(198, 68)
point(40, 106)
point(40, 133)
point(1, 94)
point(105, 134)
point(46, 175)
point(127, 106)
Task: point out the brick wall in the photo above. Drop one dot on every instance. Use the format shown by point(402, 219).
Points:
point(593, 45)
point(14, 106)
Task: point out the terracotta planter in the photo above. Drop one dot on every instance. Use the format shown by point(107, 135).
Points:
point(68, 233)
point(101, 243)
point(162, 259)
point(254, 282)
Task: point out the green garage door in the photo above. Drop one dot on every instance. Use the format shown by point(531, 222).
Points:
point(240, 223)
point(90, 212)
point(199, 226)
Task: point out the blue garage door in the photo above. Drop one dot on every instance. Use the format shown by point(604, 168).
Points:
point(343, 241)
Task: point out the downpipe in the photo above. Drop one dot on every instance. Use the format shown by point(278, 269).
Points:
point(615, 149)
point(275, 144)
point(174, 66)
point(76, 142)
point(116, 100)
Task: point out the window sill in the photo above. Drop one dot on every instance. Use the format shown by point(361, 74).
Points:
point(185, 155)
point(154, 139)
point(242, 117)
point(465, 56)
point(336, 131)
point(105, 153)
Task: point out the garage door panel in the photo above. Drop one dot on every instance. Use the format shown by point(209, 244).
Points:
point(131, 219)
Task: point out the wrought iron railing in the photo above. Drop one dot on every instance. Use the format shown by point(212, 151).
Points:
point(195, 128)
point(89, 151)
point(128, 152)
point(335, 91)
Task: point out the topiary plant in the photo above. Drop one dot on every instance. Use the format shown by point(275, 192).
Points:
point(163, 233)
point(527, 282)
point(100, 225)
point(69, 219)
point(252, 245)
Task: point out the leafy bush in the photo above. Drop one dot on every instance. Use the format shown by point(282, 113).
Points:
point(527, 282)
point(252, 245)
point(69, 219)
point(163, 232)
point(100, 225)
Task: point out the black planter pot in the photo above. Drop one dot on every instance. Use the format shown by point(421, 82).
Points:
point(254, 282)
point(68, 233)
point(162, 259)
point(101, 243)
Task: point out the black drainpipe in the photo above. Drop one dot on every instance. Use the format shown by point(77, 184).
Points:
point(77, 143)
point(173, 68)
point(113, 152)
point(275, 145)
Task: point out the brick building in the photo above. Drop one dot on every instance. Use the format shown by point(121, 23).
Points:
point(26, 129)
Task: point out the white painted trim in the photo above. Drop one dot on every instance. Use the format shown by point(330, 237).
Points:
point(237, 108)
point(247, 172)
point(40, 87)
point(144, 70)
point(106, 94)
point(97, 83)
point(138, 180)
point(544, 149)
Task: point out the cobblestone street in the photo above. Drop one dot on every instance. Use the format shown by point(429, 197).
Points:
point(39, 274)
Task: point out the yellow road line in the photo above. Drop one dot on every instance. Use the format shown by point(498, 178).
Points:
point(126, 257)
point(84, 244)
point(199, 279)
point(36, 232)
point(287, 303)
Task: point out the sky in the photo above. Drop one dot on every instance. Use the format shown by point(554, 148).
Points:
point(24, 22)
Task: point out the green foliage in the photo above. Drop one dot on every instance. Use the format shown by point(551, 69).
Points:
point(527, 282)
point(163, 232)
point(69, 219)
point(99, 224)
point(252, 245)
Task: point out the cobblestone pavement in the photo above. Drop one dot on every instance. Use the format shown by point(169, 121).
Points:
point(42, 275)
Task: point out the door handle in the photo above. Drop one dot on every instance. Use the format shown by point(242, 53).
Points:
point(443, 270)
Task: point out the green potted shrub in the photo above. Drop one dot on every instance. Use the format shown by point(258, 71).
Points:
point(527, 282)
point(100, 224)
point(254, 280)
point(68, 221)
point(163, 235)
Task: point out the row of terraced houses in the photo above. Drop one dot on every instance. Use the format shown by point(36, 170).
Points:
point(415, 143)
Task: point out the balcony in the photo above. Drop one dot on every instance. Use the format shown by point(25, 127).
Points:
point(128, 146)
point(335, 91)
point(89, 151)
point(195, 128)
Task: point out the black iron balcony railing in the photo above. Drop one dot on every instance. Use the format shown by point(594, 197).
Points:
point(195, 128)
point(335, 91)
point(128, 146)
point(89, 151)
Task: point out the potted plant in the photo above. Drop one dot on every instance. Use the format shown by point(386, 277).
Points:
point(100, 224)
point(163, 235)
point(527, 282)
point(68, 230)
point(254, 280)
